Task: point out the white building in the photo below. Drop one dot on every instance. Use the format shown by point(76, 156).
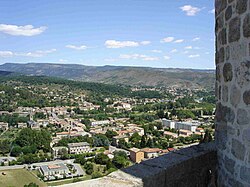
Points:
point(4, 126)
point(57, 169)
point(104, 122)
point(168, 123)
point(191, 126)
point(186, 126)
point(78, 148)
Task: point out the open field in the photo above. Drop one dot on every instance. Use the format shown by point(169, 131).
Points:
point(18, 178)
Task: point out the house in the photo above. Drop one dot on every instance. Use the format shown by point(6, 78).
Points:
point(151, 152)
point(104, 122)
point(62, 134)
point(54, 170)
point(58, 150)
point(185, 133)
point(116, 139)
point(201, 130)
point(171, 134)
point(21, 125)
point(4, 126)
point(136, 155)
point(78, 148)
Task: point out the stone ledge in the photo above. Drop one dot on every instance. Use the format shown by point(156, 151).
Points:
point(186, 167)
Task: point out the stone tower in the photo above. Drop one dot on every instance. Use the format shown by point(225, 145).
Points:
point(233, 91)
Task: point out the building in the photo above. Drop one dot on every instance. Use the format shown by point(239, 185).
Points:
point(21, 125)
point(116, 139)
point(191, 126)
point(4, 126)
point(104, 122)
point(78, 148)
point(185, 133)
point(171, 134)
point(58, 150)
point(151, 152)
point(136, 155)
point(54, 170)
point(186, 126)
point(168, 123)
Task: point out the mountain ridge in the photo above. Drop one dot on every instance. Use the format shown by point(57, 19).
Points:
point(127, 75)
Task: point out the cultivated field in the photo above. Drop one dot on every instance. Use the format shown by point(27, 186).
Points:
point(18, 178)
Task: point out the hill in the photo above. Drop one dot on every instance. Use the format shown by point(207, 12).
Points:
point(143, 76)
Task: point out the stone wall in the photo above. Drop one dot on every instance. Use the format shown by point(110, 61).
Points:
point(192, 166)
point(233, 91)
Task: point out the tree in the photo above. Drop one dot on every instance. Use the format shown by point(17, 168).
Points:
point(101, 159)
point(100, 140)
point(88, 168)
point(120, 159)
point(160, 114)
point(110, 134)
point(96, 174)
point(150, 143)
point(143, 141)
point(31, 185)
point(207, 137)
point(80, 159)
point(4, 146)
point(63, 153)
point(16, 151)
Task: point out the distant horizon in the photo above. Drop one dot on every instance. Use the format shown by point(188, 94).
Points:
point(159, 34)
point(57, 63)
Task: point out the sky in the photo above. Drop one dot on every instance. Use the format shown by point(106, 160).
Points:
point(152, 33)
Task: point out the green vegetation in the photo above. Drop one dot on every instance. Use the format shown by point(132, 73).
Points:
point(19, 178)
point(31, 146)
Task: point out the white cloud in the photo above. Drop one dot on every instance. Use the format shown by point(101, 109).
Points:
point(166, 57)
point(138, 56)
point(63, 60)
point(156, 51)
point(145, 42)
point(179, 41)
point(212, 11)
point(167, 40)
point(197, 48)
point(189, 47)
point(186, 52)
point(196, 39)
point(38, 53)
point(81, 47)
point(150, 58)
point(6, 54)
point(27, 30)
point(190, 10)
point(120, 44)
point(174, 51)
point(194, 56)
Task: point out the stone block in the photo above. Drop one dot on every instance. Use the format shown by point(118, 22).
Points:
point(227, 72)
point(241, 6)
point(234, 30)
point(238, 149)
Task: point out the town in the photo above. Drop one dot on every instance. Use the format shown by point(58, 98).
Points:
point(71, 133)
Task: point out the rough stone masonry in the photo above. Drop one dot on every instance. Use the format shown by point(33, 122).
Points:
point(233, 91)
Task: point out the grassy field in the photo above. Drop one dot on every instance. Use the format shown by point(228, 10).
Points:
point(68, 181)
point(18, 178)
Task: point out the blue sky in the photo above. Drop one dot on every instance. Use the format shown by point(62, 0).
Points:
point(155, 33)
